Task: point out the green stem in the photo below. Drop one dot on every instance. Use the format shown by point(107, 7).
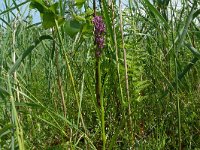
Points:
point(98, 80)
point(70, 73)
point(99, 97)
point(60, 87)
point(103, 124)
point(178, 106)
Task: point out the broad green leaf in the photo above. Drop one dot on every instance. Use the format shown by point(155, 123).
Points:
point(39, 5)
point(79, 18)
point(89, 12)
point(79, 3)
point(60, 20)
point(72, 27)
point(48, 13)
point(48, 20)
point(54, 8)
point(87, 29)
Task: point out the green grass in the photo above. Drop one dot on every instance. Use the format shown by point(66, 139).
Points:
point(149, 75)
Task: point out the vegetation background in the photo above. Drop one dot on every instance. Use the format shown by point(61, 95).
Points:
point(148, 75)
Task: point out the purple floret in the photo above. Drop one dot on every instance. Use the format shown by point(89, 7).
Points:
point(99, 31)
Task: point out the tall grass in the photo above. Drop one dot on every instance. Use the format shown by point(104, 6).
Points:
point(149, 70)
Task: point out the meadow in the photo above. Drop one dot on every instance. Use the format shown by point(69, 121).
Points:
point(104, 74)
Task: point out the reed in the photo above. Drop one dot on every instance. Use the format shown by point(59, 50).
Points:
point(99, 74)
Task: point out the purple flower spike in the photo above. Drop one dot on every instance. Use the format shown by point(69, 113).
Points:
point(99, 27)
